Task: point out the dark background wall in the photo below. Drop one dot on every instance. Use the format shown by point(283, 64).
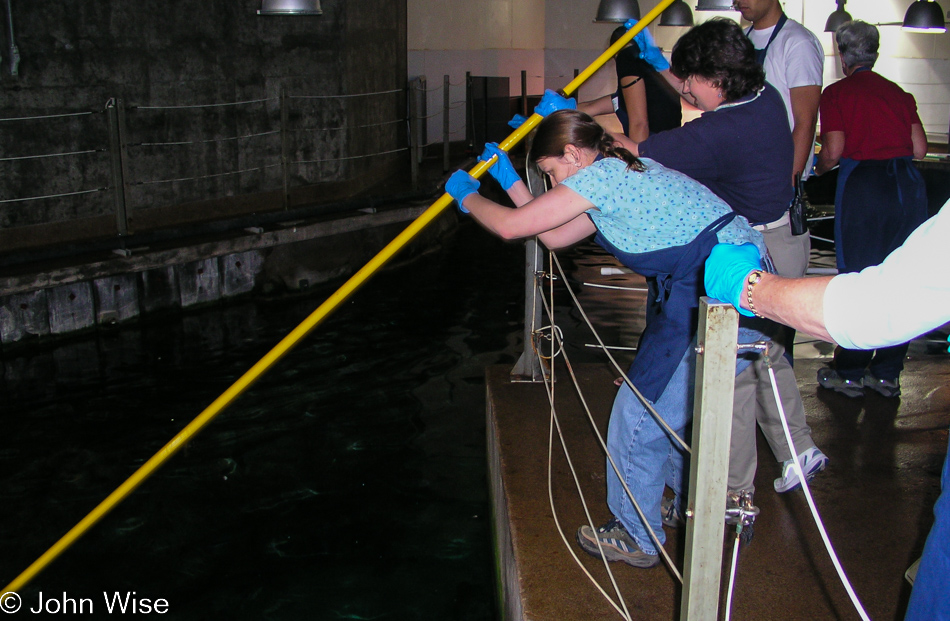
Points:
point(220, 111)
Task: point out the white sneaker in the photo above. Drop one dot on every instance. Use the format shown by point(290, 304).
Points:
point(812, 460)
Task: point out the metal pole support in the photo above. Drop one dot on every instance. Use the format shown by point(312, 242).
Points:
point(528, 368)
point(416, 92)
point(115, 111)
point(285, 145)
point(709, 465)
point(445, 123)
point(524, 93)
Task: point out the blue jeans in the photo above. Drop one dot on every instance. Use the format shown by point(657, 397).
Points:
point(644, 453)
point(930, 597)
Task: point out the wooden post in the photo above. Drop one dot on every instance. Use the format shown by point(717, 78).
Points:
point(709, 466)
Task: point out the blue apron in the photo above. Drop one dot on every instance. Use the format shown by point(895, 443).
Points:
point(760, 54)
point(878, 203)
point(678, 272)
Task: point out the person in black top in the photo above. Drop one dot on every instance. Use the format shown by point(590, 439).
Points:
point(644, 102)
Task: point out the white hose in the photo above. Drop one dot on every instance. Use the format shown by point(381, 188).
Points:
point(811, 501)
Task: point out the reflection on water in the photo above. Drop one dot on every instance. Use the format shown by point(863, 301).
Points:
point(348, 483)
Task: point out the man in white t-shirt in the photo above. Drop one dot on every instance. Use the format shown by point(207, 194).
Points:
point(794, 64)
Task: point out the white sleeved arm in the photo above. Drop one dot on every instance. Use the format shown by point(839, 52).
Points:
point(905, 296)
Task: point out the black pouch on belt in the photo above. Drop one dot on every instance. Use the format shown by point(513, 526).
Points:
point(796, 211)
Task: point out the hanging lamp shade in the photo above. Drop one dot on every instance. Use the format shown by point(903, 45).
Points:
point(290, 7)
point(714, 5)
point(924, 16)
point(677, 14)
point(838, 17)
point(617, 11)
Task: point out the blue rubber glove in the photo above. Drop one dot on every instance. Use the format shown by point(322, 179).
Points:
point(727, 268)
point(552, 102)
point(502, 170)
point(517, 121)
point(460, 185)
point(650, 52)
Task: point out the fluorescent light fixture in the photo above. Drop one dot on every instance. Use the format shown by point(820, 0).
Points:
point(617, 11)
point(290, 7)
point(714, 5)
point(838, 17)
point(924, 16)
point(677, 14)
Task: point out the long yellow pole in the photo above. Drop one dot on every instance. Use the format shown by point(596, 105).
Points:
point(308, 324)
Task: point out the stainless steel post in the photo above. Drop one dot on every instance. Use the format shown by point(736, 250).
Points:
point(709, 466)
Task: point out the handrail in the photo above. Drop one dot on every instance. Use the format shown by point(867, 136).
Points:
point(298, 333)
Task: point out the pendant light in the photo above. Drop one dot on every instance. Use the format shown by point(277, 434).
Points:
point(838, 17)
point(714, 5)
point(617, 11)
point(677, 14)
point(924, 16)
point(290, 7)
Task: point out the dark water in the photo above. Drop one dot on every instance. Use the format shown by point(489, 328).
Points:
point(348, 483)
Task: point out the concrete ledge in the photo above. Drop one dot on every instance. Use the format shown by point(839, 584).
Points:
point(57, 299)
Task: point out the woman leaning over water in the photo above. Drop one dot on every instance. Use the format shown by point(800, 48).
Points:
point(659, 223)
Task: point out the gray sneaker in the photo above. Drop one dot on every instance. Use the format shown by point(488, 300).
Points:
point(616, 543)
point(829, 378)
point(812, 462)
point(887, 388)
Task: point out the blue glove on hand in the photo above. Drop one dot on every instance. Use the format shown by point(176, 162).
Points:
point(727, 268)
point(650, 52)
point(552, 102)
point(517, 121)
point(460, 185)
point(502, 170)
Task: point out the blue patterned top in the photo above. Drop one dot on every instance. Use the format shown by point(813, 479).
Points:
point(654, 209)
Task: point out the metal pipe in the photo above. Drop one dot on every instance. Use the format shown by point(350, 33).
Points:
point(298, 333)
point(14, 52)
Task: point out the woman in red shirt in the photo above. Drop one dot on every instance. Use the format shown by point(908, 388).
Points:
point(870, 129)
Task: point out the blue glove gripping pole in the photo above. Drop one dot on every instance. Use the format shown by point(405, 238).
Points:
point(649, 51)
point(503, 171)
point(727, 268)
point(517, 121)
point(459, 186)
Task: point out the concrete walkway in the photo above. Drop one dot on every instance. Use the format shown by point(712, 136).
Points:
point(875, 499)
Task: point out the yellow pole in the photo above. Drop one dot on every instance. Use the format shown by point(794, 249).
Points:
point(308, 324)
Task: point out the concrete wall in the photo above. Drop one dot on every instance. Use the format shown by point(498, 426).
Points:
point(200, 85)
point(551, 38)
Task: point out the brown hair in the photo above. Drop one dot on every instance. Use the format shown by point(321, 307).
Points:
point(565, 127)
point(719, 51)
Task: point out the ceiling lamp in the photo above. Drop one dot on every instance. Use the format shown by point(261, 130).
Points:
point(924, 16)
point(617, 11)
point(290, 7)
point(838, 17)
point(677, 14)
point(714, 5)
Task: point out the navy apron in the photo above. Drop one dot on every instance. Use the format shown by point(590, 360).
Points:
point(678, 272)
point(760, 54)
point(878, 203)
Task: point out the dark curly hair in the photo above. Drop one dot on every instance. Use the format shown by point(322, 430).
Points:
point(565, 127)
point(719, 51)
